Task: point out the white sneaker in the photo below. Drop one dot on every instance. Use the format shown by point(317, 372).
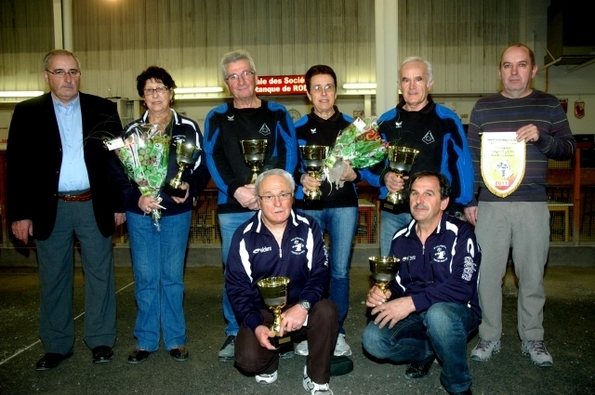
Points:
point(341, 347)
point(266, 378)
point(314, 388)
point(302, 348)
point(539, 355)
point(484, 349)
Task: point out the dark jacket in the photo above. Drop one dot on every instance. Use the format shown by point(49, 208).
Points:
point(313, 130)
point(254, 254)
point(437, 132)
point(445, 269)
point(197, 177)
point(225, 126)
point(34, 158)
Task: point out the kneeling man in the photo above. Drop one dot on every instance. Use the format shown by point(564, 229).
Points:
point(432, 306)
point(278, 242)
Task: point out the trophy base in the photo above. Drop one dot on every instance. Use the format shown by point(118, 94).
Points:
point(280, 341)
point(313, 204)
point(171, 191)
point(313, 195)
point(394, 208)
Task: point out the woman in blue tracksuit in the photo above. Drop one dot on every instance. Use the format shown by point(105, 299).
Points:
point(336, 211)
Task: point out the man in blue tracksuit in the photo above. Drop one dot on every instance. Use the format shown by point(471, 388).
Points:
point(432, 129)
point(279, 242)
point(432, 306)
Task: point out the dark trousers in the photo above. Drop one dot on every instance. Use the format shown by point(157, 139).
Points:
point(321, 332)
point(56, 262)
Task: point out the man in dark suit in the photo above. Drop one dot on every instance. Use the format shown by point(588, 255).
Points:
point(58, 187)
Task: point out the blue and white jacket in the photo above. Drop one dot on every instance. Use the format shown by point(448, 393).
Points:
point(254, 254)
point(437, 132)
point(225, 126)
point(445, 269)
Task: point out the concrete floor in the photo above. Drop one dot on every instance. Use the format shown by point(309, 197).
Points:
point(569, 319)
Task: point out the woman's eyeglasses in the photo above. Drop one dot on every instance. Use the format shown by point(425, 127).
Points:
point(326, 88)
point(160, 90)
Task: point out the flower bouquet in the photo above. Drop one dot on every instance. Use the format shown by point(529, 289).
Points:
point(144, 154)
point(360, 144)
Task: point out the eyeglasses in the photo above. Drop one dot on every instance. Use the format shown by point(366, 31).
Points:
point(159, 90)
point(235, 77)
point(62, 73)
point(327, 88)
point(282, 196)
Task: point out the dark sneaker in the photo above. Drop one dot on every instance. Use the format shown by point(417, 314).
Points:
point(138, 356)
point(180, 354)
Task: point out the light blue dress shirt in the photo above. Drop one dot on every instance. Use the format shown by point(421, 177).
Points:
point(73, 173)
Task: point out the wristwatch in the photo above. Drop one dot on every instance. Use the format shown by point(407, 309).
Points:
point(305, 304)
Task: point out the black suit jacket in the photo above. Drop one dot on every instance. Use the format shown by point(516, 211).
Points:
point(34, 157)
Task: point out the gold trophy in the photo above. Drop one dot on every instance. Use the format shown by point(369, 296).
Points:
point(383, 270)
point(273, 291)
point(400, 161)
point(254, 154)
point(186, 155)
point(313, 157)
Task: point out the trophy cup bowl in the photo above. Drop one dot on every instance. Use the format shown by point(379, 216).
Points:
point(254, 151)
point(273, 291)
point(186, 155)
point(313, 157)
point(383, 270)
point(400, 161)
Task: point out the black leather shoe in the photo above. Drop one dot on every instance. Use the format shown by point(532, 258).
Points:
point(102, 354)
point(51, 360)
point(138, 356)
point(417, 370)
point(180, 354)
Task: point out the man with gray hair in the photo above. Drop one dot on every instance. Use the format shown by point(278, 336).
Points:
point(245, 117)
point(280, 242)
point(432, 129)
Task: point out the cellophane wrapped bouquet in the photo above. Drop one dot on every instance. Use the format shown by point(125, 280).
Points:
point(145, 158)
point(359, 143)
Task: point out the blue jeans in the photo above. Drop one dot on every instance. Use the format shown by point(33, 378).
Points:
point(389, 224)
point(158, 263)
point(228, 224)
point(441, 331)
point(341, 224)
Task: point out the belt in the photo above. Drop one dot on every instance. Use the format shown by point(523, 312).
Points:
point(81, 197)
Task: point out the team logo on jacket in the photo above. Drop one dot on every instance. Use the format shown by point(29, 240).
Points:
point(264, 130)
point(428, 138)
point(178, 138)
point(313, 131)
point(398, 124)
point(231, 118)
point(440, 255)
point(298, 246)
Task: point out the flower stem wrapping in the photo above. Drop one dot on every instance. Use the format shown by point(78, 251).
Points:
point(359, 143)
point(145, 158)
